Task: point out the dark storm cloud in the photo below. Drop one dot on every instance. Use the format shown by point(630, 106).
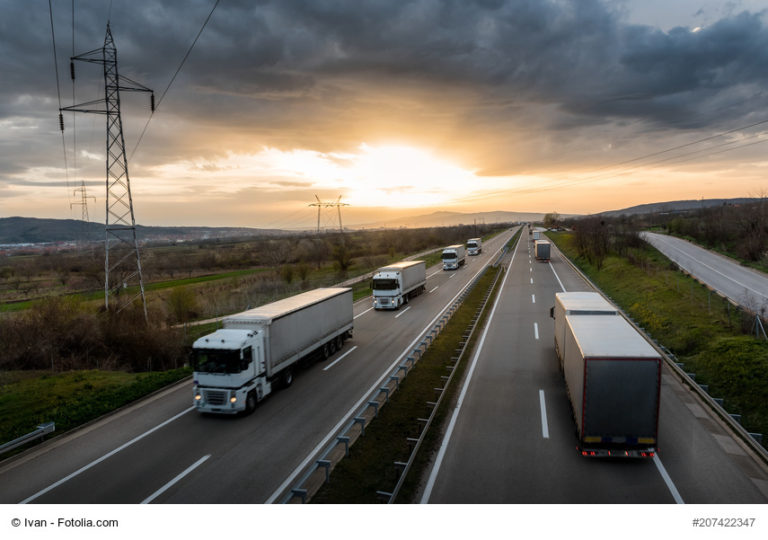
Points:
point(266, 66)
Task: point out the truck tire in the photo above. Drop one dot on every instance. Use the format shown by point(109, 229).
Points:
point(287, 378)
point(250, 402)
point(332, 346)
point(326, 352)
point(339, 343)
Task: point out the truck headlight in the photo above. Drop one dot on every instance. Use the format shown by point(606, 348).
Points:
point(198, 397)
point(233, 399)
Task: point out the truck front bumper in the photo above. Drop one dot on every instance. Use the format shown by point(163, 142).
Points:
point(220, 400)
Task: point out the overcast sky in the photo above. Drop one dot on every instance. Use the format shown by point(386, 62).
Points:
point(396, 106)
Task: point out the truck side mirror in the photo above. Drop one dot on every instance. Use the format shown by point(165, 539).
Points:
point(552, 312)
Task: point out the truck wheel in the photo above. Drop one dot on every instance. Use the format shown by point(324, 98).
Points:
point(287, 379)
point(339, 343)
point(332, 346)
point(250, 402)
point(326, 352)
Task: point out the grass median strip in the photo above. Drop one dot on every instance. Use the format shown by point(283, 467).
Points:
point(371, 464)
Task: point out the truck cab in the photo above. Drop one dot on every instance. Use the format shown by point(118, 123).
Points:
point(474, 246)
point(229, 371)
point(453, 257)
point(387, 291)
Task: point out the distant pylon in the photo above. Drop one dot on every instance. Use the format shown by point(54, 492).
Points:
point(122, 262)
point(83, 203)
point(337, 204)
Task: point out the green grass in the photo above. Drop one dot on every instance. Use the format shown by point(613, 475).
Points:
point(705, 332)
point(369, 466)
point(29, 398)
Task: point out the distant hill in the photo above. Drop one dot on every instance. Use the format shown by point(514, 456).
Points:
point(22, 230)
point(447, 219)
point(676, 206)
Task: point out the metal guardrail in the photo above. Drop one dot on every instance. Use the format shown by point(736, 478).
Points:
point(753, 440)
point(42, 430)
point(319, 472)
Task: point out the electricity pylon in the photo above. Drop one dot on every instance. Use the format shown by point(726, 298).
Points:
point(122, 262)
point(337, 204)
point(83, 203)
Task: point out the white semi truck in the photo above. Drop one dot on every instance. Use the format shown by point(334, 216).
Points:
point(474, 246)
point(395, 284)
point(454, 257)
point(237, 366)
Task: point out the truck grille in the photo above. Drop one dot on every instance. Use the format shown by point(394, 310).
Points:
point(215, 397)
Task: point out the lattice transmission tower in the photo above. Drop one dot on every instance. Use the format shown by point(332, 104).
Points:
point(336, 204)
point(123, 282)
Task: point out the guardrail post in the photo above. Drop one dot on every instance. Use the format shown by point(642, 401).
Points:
point(327, 465)
point(301, 493)
point(375, 404)
point(345, 441)
point(384, 389)
point(360, 420)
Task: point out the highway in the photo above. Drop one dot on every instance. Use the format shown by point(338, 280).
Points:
point(744, 286)
point(511, 438)
point(161, 451)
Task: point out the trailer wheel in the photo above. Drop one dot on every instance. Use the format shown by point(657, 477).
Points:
point(326, 352)
point(339, 343)
point(287, 379)
point(332, 346)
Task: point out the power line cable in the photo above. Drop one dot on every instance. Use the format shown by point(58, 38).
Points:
point(58, 93)
point(183, 60)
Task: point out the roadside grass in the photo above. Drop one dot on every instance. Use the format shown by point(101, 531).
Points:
point(370, 464)
point(706, 333)
point(70, 399)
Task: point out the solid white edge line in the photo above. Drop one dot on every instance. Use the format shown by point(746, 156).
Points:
point(406, 309)
point(433, 290)
point(339, 359)
point(556, 276)
point(104, 457)
point(178, 477)
point(543, 407)
point(536, 330)
point(365, 395)
point(447, 438)
point(667, 480)
point(363, 313)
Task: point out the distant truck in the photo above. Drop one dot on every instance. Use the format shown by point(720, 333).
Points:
point(613, 378)
point(259, 349)
point(454, 257)
point(536, 235)
point(541, 249)
point(474, 246)
point(395, 284)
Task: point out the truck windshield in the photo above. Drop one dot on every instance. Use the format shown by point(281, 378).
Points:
point(471, 244)
point(384, 284)
point(216, 361)
point(451, 255)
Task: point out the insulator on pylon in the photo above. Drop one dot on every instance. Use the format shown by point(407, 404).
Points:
point(72, 69)
point(61, 121)
point(152, 102)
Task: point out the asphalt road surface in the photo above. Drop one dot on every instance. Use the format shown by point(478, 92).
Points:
point(511, 438)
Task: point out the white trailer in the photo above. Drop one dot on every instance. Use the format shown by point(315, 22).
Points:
point(256, 350)
point(576, 303)
point(395, 284)
point(454, 257)
point(541, 249)
point(613, 378)
point(474, 246)
point(536, 235)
